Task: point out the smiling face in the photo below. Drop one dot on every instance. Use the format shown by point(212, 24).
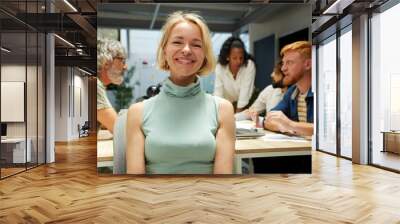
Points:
point(184, 51)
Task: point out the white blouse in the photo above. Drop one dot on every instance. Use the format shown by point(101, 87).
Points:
point(268, 99)
point(235, 90)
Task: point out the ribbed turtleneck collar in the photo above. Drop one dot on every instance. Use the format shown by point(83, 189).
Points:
point(174, 90)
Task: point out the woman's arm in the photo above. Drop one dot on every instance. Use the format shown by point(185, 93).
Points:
point(261, 102)
point(135, 161)
point(107, 118)
point(218, 84)
point(223, 163)
point(277, 121)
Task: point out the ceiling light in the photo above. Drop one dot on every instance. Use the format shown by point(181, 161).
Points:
point(337, 7)
point(65, 41)
point(5, 50)
point(70, 5)
point(86, 72)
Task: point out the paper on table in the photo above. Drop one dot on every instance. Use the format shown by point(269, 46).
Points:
point(242, 117)
point(245, 125)
point(104, 135)
point(282, 137)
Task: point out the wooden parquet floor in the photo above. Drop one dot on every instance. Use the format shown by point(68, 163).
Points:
point(70, 191)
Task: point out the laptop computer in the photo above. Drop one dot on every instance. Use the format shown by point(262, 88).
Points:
point(249, 133)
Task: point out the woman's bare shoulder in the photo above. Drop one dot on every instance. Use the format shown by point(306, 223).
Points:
point(136, 107)
point(135, 110)
point(225, 109)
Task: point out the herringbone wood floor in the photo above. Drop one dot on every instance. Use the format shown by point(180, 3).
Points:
point(70, 191)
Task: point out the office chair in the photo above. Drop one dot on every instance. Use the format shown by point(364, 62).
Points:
point(84, 129)
point(150, 92)
point(153, 90)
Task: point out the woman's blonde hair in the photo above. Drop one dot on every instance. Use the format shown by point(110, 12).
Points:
point(177, 17)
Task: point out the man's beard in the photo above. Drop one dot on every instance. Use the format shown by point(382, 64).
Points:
point(116, 77)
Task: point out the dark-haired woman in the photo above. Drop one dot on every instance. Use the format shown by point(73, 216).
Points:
point(235, 74)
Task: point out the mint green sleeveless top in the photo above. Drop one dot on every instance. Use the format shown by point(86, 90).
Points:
point(180, 125)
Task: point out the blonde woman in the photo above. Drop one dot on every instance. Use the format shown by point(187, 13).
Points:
point(182, 130)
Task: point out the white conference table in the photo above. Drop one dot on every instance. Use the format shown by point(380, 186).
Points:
point(244, 148)
point(259, 147)
point(18, 149)
point(105, 153)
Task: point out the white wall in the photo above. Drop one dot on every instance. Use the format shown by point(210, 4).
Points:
point(85, 99)
point(71, 87)
point(80, 110)
point(14, 73)
point(33, 127)
point(291, 19)
point(61, 103)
